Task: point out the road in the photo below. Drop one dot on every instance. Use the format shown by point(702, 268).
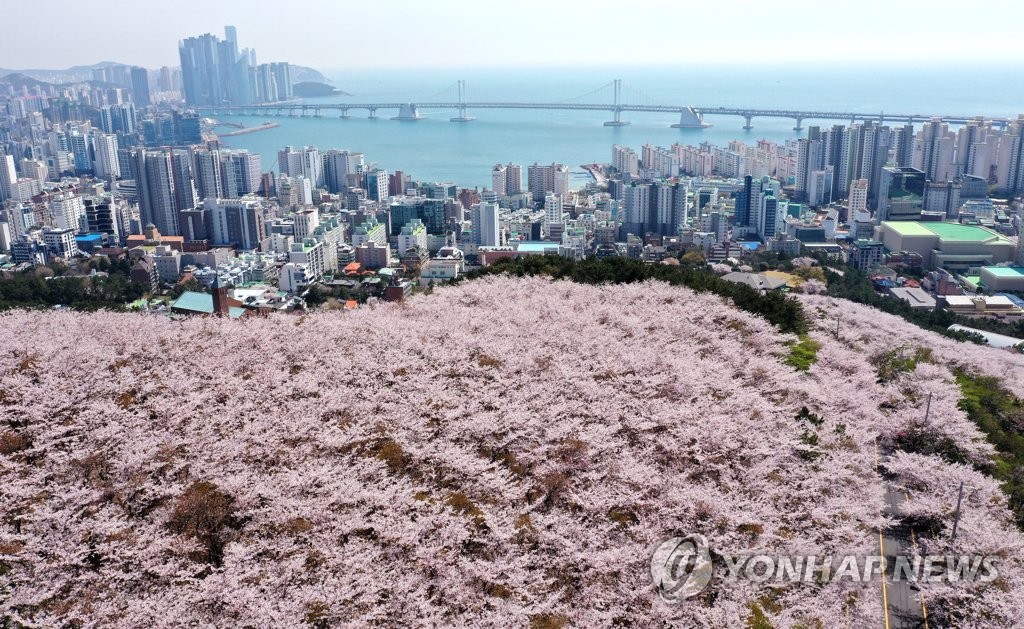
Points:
point(905, 607)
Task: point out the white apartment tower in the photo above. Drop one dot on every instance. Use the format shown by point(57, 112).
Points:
point(858, 201)
point(486, 228)
point(498, 175)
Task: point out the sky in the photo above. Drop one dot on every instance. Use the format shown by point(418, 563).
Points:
point(365, 34)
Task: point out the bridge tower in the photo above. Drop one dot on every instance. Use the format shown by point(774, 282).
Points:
point(462, 117)
point(618, 121)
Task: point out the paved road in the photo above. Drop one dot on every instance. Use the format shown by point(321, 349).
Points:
point(904, 606)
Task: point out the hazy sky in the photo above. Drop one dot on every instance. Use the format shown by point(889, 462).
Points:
point(481, 33)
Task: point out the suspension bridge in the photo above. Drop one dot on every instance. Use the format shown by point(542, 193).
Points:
point(690, 117)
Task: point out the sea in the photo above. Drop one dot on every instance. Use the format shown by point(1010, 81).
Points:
point(435, 149)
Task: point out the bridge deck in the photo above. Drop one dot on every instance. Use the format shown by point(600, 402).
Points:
point(752, 112)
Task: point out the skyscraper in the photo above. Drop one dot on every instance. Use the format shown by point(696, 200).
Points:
point(214, 72)
point(486, 228)
point(207, 173)
point(306, 163)
point(498, 174)
point(140, 86)
point(105, 150)
point(165, 187)
point(338, 165)
point(8, 175)
point(545, 179)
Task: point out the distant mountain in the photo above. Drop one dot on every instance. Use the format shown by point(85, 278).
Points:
point(312, 89)
point(19, 79)
point(303, 74)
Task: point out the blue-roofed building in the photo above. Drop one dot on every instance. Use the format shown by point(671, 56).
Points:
point(88, 243)
point(192, 303)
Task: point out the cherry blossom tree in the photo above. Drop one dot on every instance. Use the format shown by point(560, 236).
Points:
point(501, 452)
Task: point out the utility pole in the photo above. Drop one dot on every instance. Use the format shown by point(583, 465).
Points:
point(928, 408)
point(956, 514)
point(838, 319)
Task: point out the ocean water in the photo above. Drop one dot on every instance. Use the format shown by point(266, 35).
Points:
point(434, 149)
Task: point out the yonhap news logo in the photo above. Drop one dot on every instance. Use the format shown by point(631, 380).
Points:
point(681, 567)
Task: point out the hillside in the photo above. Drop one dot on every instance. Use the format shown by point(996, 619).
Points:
point(502, 452)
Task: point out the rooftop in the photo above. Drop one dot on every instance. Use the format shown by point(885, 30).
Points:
point(202, 303)
point(1004, 271)
point(528, 246)
point(953, 232)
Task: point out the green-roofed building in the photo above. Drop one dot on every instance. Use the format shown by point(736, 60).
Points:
point(1003, 278)
point(947, 245)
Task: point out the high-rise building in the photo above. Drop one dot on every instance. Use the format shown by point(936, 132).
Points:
point(942, 197)
point(553, 210)
point(821, 185)
point(338, 165)
point(304, 222)
point(101, 217)
point(8, 175)
point(636, 210)
point(206, 171)
point(937, 151)
point(165, 187)
point(240, 173)
point(106, 165)
point(904, 143)
point(486, 226)
point(236, 222)
point(32, 169)
point(498, 175)
point(858, 199)
point(272, 82)
point(140, 86)
point(625, 160)
point(662, 217)
point(513, 178)
point(81, 147)
point(901, 194)
point(743, 200)
point(215, 72)
point(68, 211)
point(306, 163)
point(546, 179)
point(1010, 164)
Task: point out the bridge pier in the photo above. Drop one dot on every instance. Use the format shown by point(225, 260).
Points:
point(799, 125)
point(373, 113)
point(690, 118)
point(316, 113)
point(748, 118)
point(344, 114)
point(407, 111)
point(617, 121)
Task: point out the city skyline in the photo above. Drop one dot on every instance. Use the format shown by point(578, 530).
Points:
point(470, 35)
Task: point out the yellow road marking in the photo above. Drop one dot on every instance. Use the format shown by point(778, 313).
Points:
point(913, 542)
point(881, 550)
